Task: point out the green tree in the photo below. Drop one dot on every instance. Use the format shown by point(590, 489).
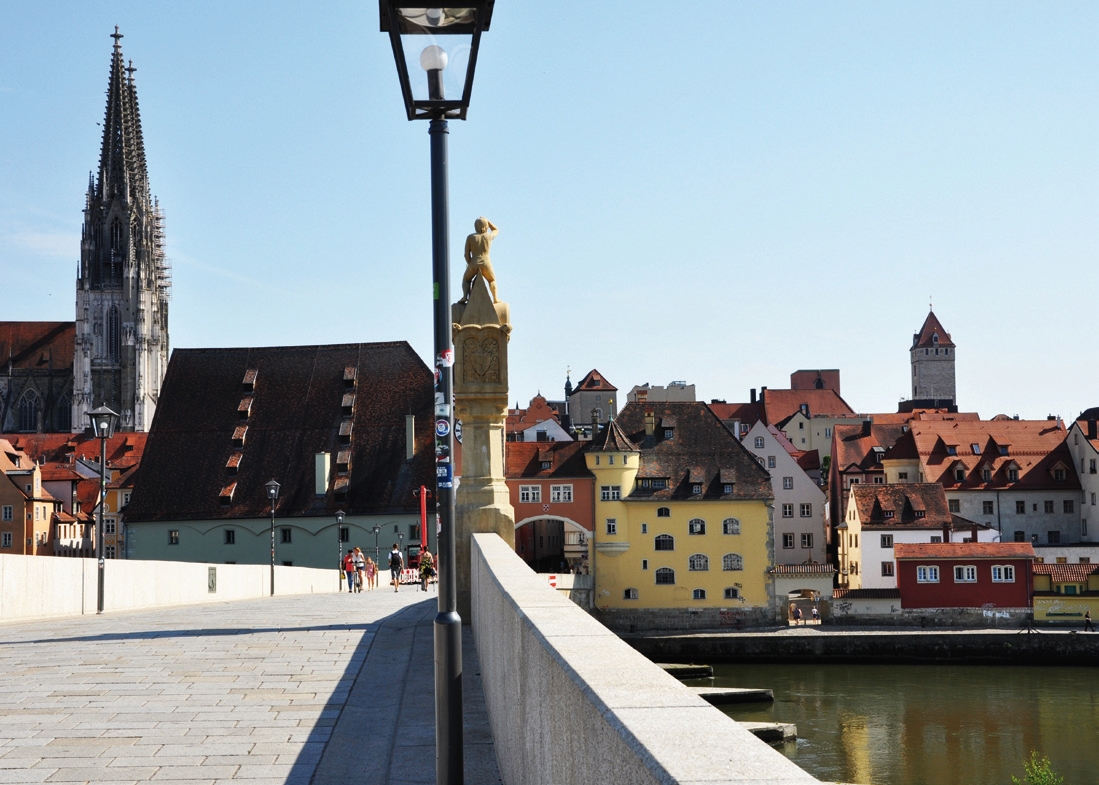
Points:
point(1037, 771)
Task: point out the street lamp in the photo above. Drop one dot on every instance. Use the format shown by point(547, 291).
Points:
point(273, 495)
point(103, 422)
point(339, 548)
point(377, 553)
point(444, 40)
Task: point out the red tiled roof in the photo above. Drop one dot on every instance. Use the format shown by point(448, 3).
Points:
point(1066, 573)
point(34, 345)
point(525, 459)
point(903, 500)
point(749, 413)
point(963, 550)
point(123, 449)
point(780, 405)
point(931, 327)
point(538, 411)
point(594, 381)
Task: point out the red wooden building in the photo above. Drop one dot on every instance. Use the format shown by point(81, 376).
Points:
point(965, 574)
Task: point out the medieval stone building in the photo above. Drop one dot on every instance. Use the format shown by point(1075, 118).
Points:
point(121, 344)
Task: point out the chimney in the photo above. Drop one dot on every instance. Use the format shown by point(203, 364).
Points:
point(650, 423)
point(1091, 430)
point(753, 392)
point(409, 436)
point(946, 532)
point(974, 533)
point(866, 426)
point(322, 462)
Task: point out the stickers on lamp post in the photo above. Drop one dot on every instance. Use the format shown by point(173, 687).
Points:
point(444, 475)
point(442, 428)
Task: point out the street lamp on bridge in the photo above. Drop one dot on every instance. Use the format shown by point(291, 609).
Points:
point(444, 41)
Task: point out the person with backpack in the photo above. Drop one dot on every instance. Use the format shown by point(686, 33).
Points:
point(396, 564)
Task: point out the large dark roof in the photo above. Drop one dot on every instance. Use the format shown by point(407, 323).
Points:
point(349, 400)
point(700, 451)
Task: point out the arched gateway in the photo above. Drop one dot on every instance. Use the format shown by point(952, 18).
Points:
point(552, 543)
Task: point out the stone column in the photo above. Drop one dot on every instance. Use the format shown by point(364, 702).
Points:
point(481, 333)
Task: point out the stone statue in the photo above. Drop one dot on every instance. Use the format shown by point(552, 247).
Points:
point(477, 259)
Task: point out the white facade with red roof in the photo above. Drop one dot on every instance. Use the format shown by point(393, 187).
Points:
point(1083, 445)
point(799, 502)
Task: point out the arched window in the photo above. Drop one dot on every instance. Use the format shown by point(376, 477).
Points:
point(759, 442)
point(114, 335)
point(64, 417)
point(732, 561)
point(665, 542)
point(663, 512)
point(730, 526)
point(696, 526)
point(732, 593)
point(698, 594)
point(665, 575)
point(698, 562)
point(29, 408)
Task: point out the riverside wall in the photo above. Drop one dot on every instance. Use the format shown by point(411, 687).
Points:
point(569, 701)
point(41, 587)
point(820, 645)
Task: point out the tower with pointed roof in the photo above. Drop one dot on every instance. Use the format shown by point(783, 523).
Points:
point(121, 351)
point(933, 355)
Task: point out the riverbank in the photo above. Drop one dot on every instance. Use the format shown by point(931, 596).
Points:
point(823, 644)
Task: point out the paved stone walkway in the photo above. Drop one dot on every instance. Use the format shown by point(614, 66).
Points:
point(319, 689)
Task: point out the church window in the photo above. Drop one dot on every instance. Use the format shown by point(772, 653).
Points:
point(29, 409)
point(114, 335)
point(64, 417)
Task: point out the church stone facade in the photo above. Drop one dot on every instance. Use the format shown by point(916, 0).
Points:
point(933, 356)
point(121, 342)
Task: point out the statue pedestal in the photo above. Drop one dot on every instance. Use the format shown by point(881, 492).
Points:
point(482, 330)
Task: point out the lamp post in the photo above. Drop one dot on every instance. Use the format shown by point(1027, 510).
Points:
point(339, 549)
point(103, 422)
point(273, 495)
point(377, 553)
point(438, 38)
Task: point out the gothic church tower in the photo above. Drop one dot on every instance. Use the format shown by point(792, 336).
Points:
point(122, 294)
point(933, 366)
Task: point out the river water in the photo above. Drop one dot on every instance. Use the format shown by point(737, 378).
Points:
point(927, 724)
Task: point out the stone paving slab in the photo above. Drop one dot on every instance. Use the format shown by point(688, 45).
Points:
point(286, 690)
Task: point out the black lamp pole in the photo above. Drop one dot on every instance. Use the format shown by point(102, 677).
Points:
point(339, 549)
point(103, 422)
point(447, 35)
point(273, 495)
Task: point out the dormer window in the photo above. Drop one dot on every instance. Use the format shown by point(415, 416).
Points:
point(696, 489)
point(986, 474)
point(888, 513)
point(726, 489)
point(545, 464)
point(920, 513)
point(249, 381)
point(951, 449)
point(976, 448)
point(1059, 473)
point(668, 433)
point(1003, 449)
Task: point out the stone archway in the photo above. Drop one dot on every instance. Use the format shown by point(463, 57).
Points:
point(545, 542)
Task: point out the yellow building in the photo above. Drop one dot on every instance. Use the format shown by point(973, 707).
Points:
point(683, 529)
point(26, 508)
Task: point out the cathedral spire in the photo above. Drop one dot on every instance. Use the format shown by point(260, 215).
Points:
point(122, 293)
point(122, 157)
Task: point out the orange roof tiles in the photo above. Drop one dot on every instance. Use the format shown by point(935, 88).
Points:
point(1066, 573)
point(963, 550)
point(33, 345)
point(931, 329)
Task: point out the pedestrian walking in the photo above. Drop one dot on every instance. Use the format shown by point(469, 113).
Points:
point(427, 568)
point(797, 616)
point(816, 614)
point(360, 570)
point(1087, 621)
point(396, 564)
point(349, 569)
point(371, 574)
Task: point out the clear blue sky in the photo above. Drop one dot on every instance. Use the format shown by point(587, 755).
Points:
point(718, 192)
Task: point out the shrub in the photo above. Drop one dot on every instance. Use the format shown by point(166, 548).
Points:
point(1037, 771)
